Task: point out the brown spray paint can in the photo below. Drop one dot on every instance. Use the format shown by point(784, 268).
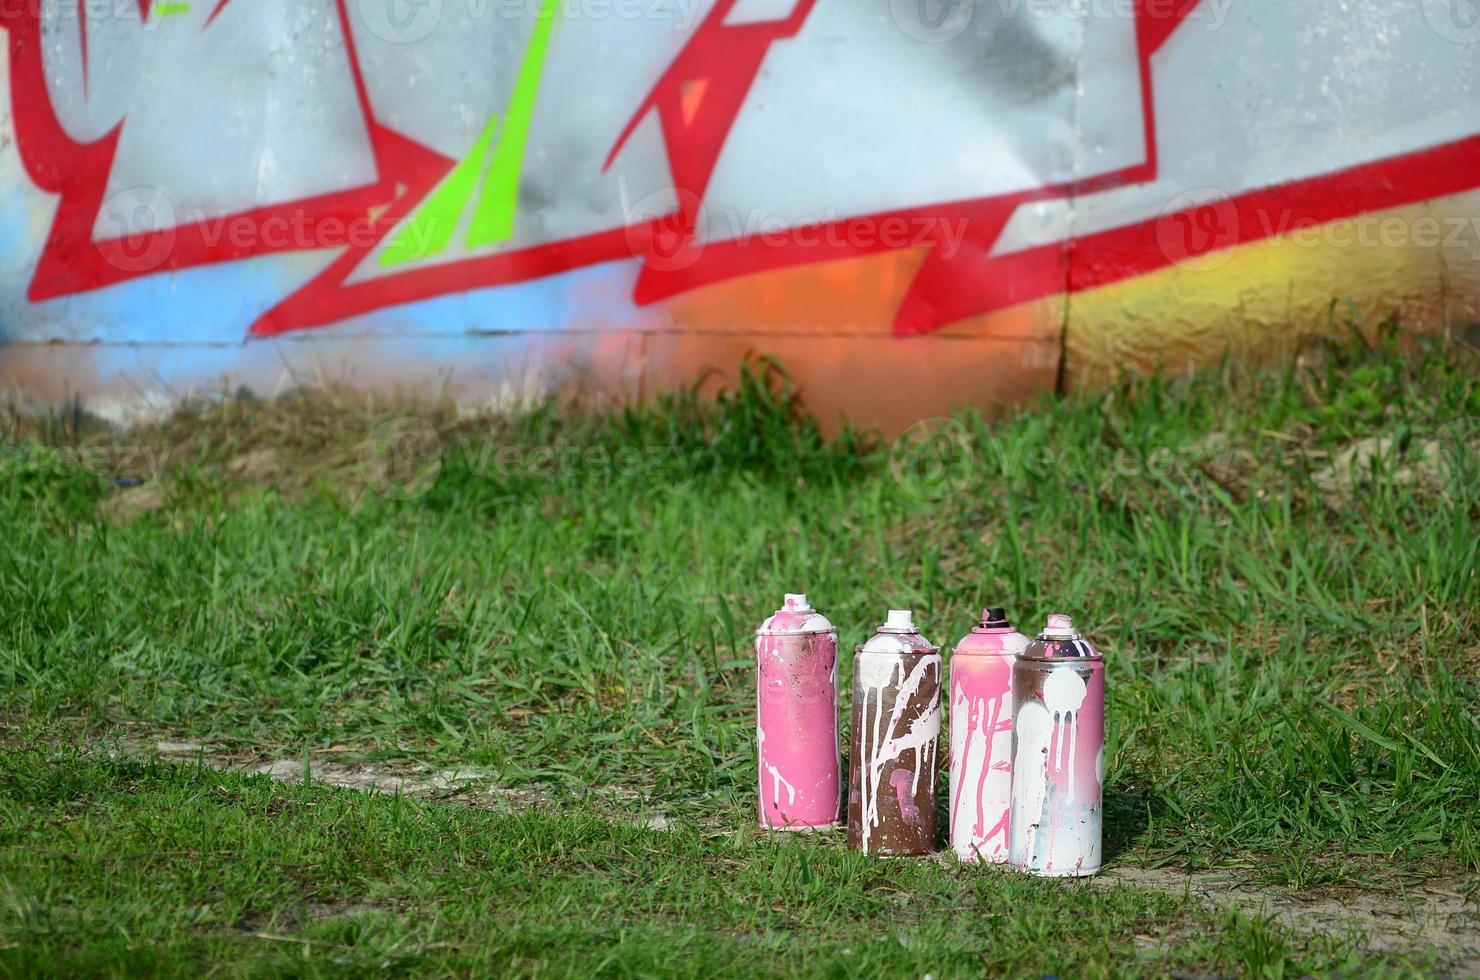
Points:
point(895, 741)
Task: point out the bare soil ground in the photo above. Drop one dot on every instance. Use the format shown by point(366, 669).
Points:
point(1429, 915)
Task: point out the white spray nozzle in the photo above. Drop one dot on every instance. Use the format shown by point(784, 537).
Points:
point(1060, 626)
point(796, 602)
point(900, 619)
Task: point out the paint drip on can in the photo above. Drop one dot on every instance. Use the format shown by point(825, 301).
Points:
point(895, 740)
point(1058, 754)
point(981, 738)
point(796, 705)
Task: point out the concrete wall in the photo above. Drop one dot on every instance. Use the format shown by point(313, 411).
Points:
point(913, 204)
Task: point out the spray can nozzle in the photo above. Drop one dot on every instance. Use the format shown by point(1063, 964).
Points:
point(1060, 627)
point(900, 621)
point(994, 617)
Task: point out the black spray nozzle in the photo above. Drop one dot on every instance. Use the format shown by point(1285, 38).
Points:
point(994, 617)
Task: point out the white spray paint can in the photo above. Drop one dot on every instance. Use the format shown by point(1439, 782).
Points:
point(895, 741)
point(1058, 754)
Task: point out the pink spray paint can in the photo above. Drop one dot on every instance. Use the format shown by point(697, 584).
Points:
point(981, 738)
point(796, 735)
point(1058, 754)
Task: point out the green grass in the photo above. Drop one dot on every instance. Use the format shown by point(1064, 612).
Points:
point(1292, 668)
point(123, 867)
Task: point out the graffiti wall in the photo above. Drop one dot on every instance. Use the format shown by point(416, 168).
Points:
point(936, 201)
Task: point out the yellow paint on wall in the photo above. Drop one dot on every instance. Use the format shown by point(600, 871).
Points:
point(1260, 300)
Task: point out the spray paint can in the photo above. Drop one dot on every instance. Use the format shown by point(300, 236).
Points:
point(895, 741)
point(981, 738)
point(796, 705)
point(1058, 754)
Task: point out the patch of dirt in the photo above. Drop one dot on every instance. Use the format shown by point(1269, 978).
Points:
point(467, 786)
point(1431, 916)
point(1428, 463)
point(263, 464)
point(323, 911)
point(130, 502)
